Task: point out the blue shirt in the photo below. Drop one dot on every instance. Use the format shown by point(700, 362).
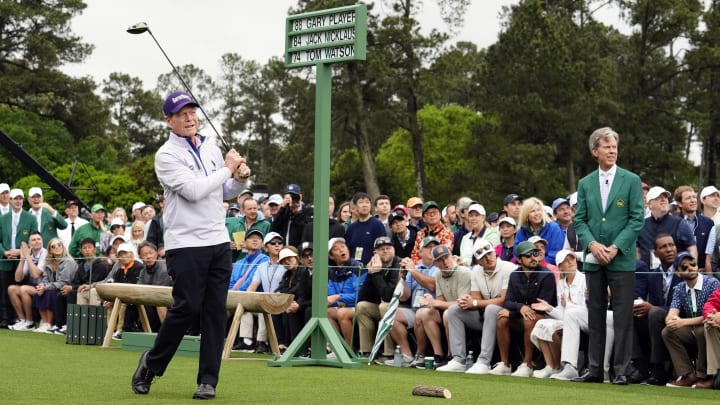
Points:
point(417, 290)
point(672, 225)
point(704, 287)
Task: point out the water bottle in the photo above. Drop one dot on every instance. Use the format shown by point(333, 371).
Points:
point(397, 357)
point(469, 361)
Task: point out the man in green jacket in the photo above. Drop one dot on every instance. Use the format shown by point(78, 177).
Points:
point(241, 224)
point(48, 218)
point(609, 218)
point(93, 229)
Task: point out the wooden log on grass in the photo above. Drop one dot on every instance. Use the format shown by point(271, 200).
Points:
point(431, 391)
point(161, 296)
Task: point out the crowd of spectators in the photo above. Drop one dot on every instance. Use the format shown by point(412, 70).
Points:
point(505, 285)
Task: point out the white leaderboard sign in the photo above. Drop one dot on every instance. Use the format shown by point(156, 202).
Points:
point(326, 36)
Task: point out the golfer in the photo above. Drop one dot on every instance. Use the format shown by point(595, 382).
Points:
point(196, 180)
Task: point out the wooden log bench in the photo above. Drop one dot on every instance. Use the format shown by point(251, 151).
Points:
point(238, 302)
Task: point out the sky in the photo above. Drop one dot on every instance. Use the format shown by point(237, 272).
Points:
point(200, 32)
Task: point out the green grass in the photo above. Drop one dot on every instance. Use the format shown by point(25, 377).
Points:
point(41, 368)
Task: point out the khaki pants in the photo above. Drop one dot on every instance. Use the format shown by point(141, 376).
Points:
point(89, 298)
point(712, 341)
point(677, 341)
point(368, 316)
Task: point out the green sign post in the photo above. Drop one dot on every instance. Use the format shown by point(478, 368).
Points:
point(322, 38)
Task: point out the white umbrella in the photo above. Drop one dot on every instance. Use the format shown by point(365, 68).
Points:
point(386, 322)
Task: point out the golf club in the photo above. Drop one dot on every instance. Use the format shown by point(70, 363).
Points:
point(142, 27)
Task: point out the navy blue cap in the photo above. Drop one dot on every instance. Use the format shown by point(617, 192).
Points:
point(292, 189)
point(682, 256)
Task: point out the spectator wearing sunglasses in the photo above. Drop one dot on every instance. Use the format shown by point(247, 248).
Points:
point(529, 283)
point(684, 333)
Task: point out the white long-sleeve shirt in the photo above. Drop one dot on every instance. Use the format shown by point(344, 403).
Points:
point(195, 183)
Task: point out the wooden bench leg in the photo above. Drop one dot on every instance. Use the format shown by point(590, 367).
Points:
point(232, 333)
point(144, 321)
point(112, 323)
point(272, 337)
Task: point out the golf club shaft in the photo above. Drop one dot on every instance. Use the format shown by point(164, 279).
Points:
point(224, 142)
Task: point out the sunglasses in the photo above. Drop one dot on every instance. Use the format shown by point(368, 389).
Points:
point(275, 243)
point(306, 255)
point(56, 245)
point(685, 266)
point(531, 254)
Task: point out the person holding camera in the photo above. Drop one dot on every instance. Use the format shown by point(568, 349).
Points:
point(292, 217)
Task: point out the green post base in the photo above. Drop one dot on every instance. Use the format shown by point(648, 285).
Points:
point(321, 333)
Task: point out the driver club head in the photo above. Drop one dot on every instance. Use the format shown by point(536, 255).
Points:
point(138, 28)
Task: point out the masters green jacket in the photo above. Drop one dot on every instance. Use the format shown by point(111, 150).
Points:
point(618, 224)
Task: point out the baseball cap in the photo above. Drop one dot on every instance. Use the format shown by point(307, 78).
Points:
point(708, 191)
point(477, 208)
point(558, 202)
point(70, 203)
point(116, 237)
point(97, 207)
point(246, 191)
point(333, 241)
point(428, 240)
point(681, 256)
point(126, 247)
point(382, 241)
point(254, 232)
point(439, 252)
point(234, 206)
point(275, 199)
point(507, 220)
point(510, 198)
point(396, 216)
point(656, 192)
point(535, 239)
point(562, 255)
point(428, 205)
point(34, 190)
point(492, 217)
point(138, 205)
point(465, 203)
point(413, 201)
point(176, 101)
point(116, 222)
point(482, 248)
point(292, 189)
point(285, 253)
point(400, 208)
point(306, 246)
point(4, 187)
point(272, 235)
point(16, 192)
point(524, 247)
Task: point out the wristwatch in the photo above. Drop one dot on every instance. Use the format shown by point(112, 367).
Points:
point(475, 303)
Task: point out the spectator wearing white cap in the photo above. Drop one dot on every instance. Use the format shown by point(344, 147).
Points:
point(478, 310)
point(15, 229)
point(4, 198)
point(478, 231)
point(136, 212)
point(710, 199)
point(267, 277)
point(126, 270)
point(661, 221)
point(49, 220)
point(508, 229)
point(298, 282)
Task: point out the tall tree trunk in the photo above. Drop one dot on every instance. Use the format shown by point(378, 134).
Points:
point(367, 160)
point(416, 142)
